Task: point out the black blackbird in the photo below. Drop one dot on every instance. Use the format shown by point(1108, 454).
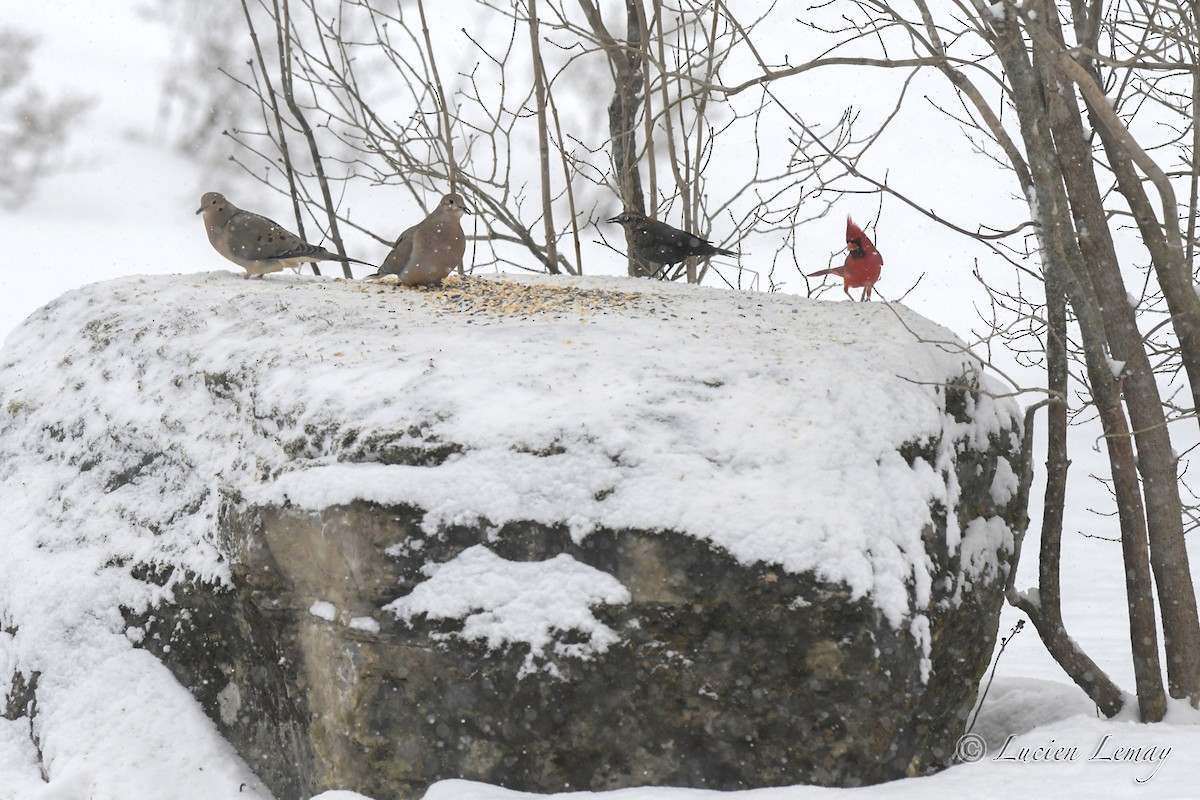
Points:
point(659, 243)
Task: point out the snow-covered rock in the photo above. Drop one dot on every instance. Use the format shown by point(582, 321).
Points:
point(540, 532)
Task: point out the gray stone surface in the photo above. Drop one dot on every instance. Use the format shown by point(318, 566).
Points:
point(726, 676)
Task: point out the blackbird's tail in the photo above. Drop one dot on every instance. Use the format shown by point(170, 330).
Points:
point(320, 253)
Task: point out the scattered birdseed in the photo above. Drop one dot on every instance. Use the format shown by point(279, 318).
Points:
point(503, 298)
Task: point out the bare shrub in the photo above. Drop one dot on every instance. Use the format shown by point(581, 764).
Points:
point(34, 127)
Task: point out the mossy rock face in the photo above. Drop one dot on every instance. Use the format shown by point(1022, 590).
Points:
point(777, 524)
point(725, 675)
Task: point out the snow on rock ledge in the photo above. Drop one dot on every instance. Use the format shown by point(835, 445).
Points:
point(770, 532)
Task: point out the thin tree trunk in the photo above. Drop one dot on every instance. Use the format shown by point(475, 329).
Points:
point(539, 89)
point(625, 60)
point(1163, 240)
point(283, 26)
point(1044, 608)
point(443, 110)
point(1061, 256)
point(284, 151)
point(647, 117)
point(697, 272)
point(570, 190)
point(681, 182)
point(443, 106)
point(1156, 460)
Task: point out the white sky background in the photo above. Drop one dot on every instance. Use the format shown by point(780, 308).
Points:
point(124, 202)
point(122, 166)
point(124, 205)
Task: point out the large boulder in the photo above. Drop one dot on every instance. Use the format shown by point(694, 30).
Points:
point(544, 533)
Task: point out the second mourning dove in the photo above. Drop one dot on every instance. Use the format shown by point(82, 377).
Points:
point(255, 243)
point(428, 251)
point(659, 243)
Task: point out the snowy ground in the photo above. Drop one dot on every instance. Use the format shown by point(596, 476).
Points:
point(129, 211)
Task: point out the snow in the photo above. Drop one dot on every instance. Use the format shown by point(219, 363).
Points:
point(115, 727)
point(323, 609)
point(983, 538)
point(725, 434)
point(504, 602)
point(131, 204)
point(1004, 482)
point(139, 403)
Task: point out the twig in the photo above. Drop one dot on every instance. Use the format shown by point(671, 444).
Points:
point(992, 676)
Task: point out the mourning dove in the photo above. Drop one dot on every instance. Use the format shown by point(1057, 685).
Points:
point(428, 251)
point(659, 243)
point(255, 243)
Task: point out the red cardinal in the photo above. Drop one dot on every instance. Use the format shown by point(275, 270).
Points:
point(862, 263)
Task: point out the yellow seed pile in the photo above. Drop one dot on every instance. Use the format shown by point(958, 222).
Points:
point(501, 298)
